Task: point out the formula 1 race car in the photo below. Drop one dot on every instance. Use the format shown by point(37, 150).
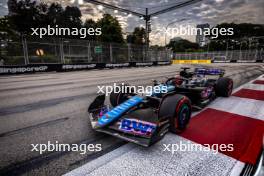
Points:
point(144, 120)
point(202, 85)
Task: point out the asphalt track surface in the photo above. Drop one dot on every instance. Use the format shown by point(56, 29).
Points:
point(52, 107)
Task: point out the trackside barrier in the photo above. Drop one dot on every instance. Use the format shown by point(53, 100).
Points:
point(33, 68)
point(259, 60)
point(208, 61)
point(237, 61)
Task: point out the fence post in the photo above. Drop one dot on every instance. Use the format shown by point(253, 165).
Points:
point(240, 53)
point(261, 55)
point(25, 50)
point(62, 52)
point(145, 53)
point(256, 54)
point(227, 49)
point(89, 52)
point(101, 55)
point(111, 53)
point(207, 53)
point(128, 52)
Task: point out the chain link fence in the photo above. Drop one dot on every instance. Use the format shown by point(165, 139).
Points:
point(76, 51)
point(247, 50)
point(66, 51)
point(245, 55)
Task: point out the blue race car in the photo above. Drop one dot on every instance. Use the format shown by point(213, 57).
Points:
point(144, 120)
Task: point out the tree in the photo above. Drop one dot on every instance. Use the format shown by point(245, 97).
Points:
point(55, 14)
point(90, 24)
point(27, 14)
point(5, 28)
point(24, 16)
point(111, 29)
point(242, 30)
point(182, 45)
point(137, 37)
point(243, 37)
point(216, 45)
point(71, 17)
point(42, 17)
point(12, 6)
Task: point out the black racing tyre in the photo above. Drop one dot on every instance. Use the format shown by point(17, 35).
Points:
point(224, 87)
point(170, 80)
point(118, 98)
point(114, 98)
point(178, 109)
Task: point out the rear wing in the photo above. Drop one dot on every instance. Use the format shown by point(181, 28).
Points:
point(209, 71)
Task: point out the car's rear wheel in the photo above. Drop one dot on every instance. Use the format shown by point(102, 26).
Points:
point(178, 109)
point(224, 87)
point(176, 81)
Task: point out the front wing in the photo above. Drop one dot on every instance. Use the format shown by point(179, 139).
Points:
point(133, 129)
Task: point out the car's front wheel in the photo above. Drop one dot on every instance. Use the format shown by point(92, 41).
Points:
point(117, 98)
point(178, 109)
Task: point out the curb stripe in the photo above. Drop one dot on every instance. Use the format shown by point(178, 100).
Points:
point(251, 94)
point(218, 127)
point(258, 82)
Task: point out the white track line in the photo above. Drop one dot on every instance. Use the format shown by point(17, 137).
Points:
point(255, 87)
point(242, 106)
